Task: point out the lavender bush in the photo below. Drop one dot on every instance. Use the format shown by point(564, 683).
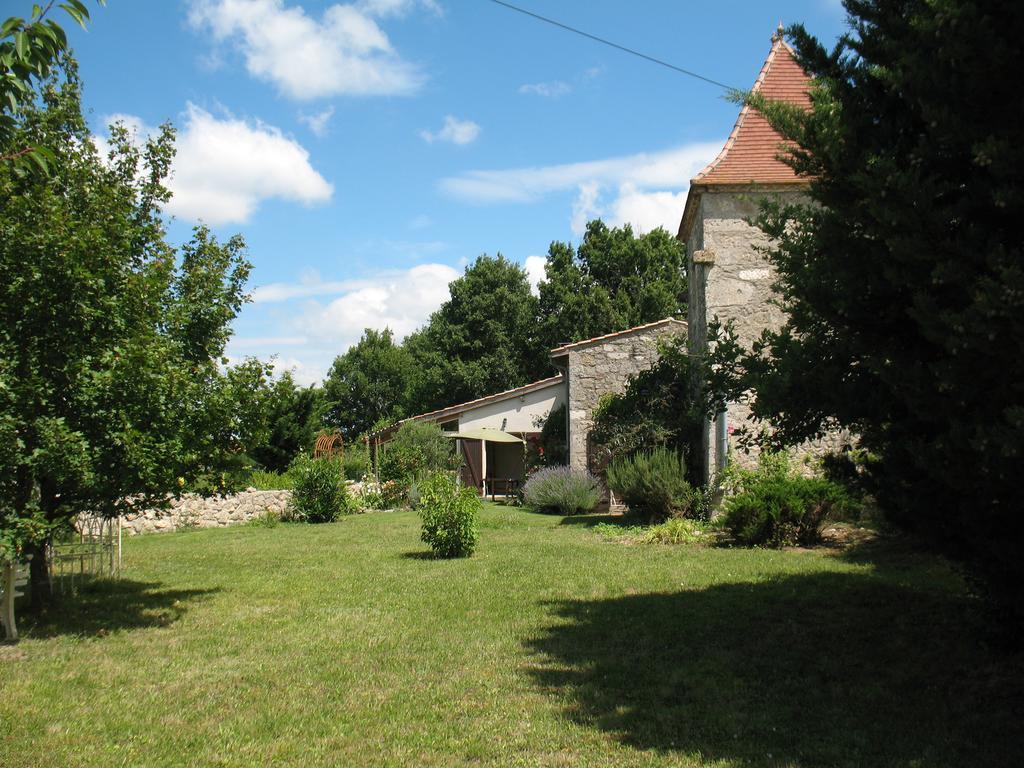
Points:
point(563, 490)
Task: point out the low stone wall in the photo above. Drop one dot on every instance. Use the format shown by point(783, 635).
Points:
point(192, 511)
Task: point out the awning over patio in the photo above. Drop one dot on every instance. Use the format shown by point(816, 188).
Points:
point(487, 434)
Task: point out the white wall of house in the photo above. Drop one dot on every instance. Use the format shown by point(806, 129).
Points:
point(520, 413)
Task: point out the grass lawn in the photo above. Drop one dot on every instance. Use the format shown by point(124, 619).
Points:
point(344, 645)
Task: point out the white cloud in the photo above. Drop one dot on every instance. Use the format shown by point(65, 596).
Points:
point(397, 7)
point(647, 210)
point(309, 284)
point(224, 167)
point(535, 271)
point(399, 300)
point(260, 342)
point(318, 122)
point(304, 373)
point(552, 89)
point(345, 52)
point(326, 317)
point(454, 130)
point(643, 187)
point(585, 207)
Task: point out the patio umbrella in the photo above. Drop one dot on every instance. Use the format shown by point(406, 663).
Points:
point(485, 433)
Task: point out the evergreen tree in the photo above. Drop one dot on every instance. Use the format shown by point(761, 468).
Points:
point(292, 416)
point(904, 276)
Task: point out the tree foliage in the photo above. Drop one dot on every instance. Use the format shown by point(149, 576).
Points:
point(904, 277)
point(29, 50)
point(661, 407)
point(482, 340)
point(292, 416)
point(111, 344)
point(614, 280)
point(368, 385)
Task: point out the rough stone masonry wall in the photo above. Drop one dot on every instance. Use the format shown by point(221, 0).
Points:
point(192, 511)
point(736, 282)
point(605, 368)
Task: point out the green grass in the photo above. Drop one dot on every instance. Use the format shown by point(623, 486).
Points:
point(346, 645)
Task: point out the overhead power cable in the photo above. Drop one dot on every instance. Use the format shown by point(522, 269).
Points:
point(609, 43)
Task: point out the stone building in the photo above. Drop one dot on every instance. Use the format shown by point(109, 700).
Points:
point(588, 369)
point(596, 367)
point(730, 279)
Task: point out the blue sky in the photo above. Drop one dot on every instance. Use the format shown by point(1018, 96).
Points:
point(367, 151)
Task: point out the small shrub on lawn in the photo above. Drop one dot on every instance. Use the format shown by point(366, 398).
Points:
point(774, 506)
point(563, 490)
point(320, 494)
point(356, 461)
point(448, 512)
point(653, 484)
point(263, 480)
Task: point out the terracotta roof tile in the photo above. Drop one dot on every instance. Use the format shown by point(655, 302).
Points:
point(453, 410)
point(750, 155)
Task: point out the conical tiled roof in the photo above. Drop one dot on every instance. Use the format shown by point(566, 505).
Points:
point(750, 156)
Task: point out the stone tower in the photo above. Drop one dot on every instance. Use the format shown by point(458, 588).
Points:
point(729, 278)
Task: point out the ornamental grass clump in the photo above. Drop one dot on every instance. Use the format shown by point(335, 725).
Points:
point(653, 484)
point(320, 494)
point(448, 512)
point(562, 490)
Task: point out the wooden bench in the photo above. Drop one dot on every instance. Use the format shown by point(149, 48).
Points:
point(13, 576)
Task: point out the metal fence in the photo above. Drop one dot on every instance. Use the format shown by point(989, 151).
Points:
point(93, 549)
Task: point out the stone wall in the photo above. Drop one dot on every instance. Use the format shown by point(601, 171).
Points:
point(731, 280)
point(192, 511)
point(602, 368)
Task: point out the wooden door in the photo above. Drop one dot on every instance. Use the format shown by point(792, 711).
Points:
point(472, 463)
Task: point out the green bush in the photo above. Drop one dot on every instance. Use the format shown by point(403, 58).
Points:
point(263, 480)
point(320, 494)
point(775, 506)
point(563, 490)
point(448, 512)
point(653, 484)
point(356, 461)
point(417, 449)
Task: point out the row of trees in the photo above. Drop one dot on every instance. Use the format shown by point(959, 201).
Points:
point(493, 333)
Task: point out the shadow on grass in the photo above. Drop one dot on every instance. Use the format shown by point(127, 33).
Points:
point(420, 554)
point(827, 669)
point(109, 605)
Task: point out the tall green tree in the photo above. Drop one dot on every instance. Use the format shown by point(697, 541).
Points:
point(614, 280)
point(482, 340)
point(292, 416)
point(29, 50)
point(111, 344)
point(367, 385)
point(904, 275)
